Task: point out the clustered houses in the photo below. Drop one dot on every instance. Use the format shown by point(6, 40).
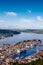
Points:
point(9, 50)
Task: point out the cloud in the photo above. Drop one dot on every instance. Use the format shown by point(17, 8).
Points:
point(22, 24)
point(1, 21)
point(11, 13)
point(25, 23)
point(29, 24)
point(39, 18)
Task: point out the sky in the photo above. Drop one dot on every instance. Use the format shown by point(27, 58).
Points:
point(21, 14)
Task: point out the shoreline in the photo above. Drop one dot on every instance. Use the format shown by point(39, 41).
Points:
point(9, 51)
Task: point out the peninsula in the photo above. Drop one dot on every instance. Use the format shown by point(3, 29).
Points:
point(7, 33)
point(17, 53)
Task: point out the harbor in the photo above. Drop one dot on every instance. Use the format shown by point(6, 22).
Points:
point(21, 52)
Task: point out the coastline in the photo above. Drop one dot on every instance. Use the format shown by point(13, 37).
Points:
point(15, 51)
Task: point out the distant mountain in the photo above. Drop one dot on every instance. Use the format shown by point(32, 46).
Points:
point(38, 31)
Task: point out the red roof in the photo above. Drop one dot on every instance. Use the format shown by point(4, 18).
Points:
point(40, 53)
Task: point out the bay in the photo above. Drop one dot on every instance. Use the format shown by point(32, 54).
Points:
point(21, 37)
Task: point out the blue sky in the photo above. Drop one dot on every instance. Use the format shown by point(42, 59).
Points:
point(21, 14)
